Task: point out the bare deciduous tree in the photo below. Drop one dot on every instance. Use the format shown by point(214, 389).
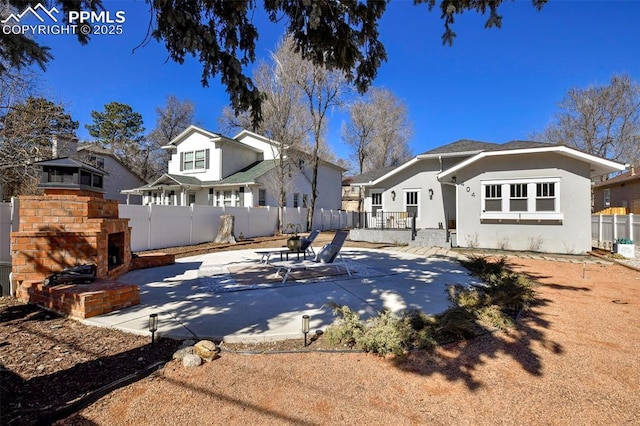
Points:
point(284, 121)
point(27, 132)
point(172, 119)
point(600, 120)
point(378, 131)
point(323, 90)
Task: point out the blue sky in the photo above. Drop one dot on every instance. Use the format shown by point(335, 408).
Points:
point(493, 85)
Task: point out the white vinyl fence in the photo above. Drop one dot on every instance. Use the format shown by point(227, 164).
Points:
point(606, 229)
point(155, 227)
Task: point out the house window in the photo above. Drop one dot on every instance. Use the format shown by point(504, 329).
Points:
point(305, 201)
point(546, 197)
point(192, 198)
point(296, 198)
point(96, 161)
point(518, 197)
point(262, 197)
point(607, 197)
point(194, 160)
point(493, 198)
point(227, 198)
point(211, 198)
point(376, 202)
point(240, 197)
point(411, 202)
point(533, 199)
point(172, 195)
point(199, 159)
point(187, 160)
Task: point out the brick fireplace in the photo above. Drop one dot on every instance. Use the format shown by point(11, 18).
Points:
point(72, 224)
point(64, 228)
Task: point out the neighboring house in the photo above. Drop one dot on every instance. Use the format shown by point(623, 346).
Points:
point(350, 195)
point(118, 177)
point(520, 195)
point(206, 168)
point(620, 191)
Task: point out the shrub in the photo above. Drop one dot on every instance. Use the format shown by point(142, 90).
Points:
point(476, 308)
point(386, 334)
point(493, 316)
point(455, 323)
point(345, 330)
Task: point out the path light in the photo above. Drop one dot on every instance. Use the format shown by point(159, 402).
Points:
point(153, 326)
point(305, 328)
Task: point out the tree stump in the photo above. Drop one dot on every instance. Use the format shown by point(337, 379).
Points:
point(225, 230)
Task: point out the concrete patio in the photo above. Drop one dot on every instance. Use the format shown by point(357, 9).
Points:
point(199, 298)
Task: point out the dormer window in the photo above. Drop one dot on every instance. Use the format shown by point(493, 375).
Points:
point(96, 161)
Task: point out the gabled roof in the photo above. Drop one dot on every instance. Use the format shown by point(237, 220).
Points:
point(599, 166)
point(187, 132)
point(96, 149)
point(476, 150)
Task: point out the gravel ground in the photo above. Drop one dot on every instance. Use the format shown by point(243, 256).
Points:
point(573, 359)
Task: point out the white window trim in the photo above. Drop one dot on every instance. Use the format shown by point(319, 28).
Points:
point(530, 214)
point(377, 191)
point(404, 200)
point(193, 161)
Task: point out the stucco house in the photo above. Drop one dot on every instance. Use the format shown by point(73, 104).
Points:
point(521, 195)
point(621, 191)
point(207, 168)
point(119, 176)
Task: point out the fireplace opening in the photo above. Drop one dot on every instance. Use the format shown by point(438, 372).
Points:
point(115, 249)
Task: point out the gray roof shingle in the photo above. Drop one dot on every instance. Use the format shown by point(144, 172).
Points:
point(462, 145)
point(250, 173)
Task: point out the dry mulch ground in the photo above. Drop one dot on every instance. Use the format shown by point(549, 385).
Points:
point(573, 359)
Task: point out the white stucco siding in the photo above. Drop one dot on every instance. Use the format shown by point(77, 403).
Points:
point(195, 142)
point(570, 234)
point(329, 188)
point(420, 178)
point(236, 157)
point(260, 143)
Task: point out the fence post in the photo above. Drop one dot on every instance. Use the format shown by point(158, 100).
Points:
point(191, 207)
point(599, 230)
point(615, 227)
point(630, 219)
point(149, 227)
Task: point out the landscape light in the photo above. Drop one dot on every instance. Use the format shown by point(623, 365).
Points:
point(305, 328)
point(153, 326)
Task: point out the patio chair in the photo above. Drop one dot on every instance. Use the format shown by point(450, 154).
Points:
point(305, 247)
point(307, 241)
point(329, 254)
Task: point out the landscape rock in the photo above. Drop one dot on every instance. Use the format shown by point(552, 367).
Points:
point(188, 342)
point(191, 360)
point(207, 350)
point(182, 352)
